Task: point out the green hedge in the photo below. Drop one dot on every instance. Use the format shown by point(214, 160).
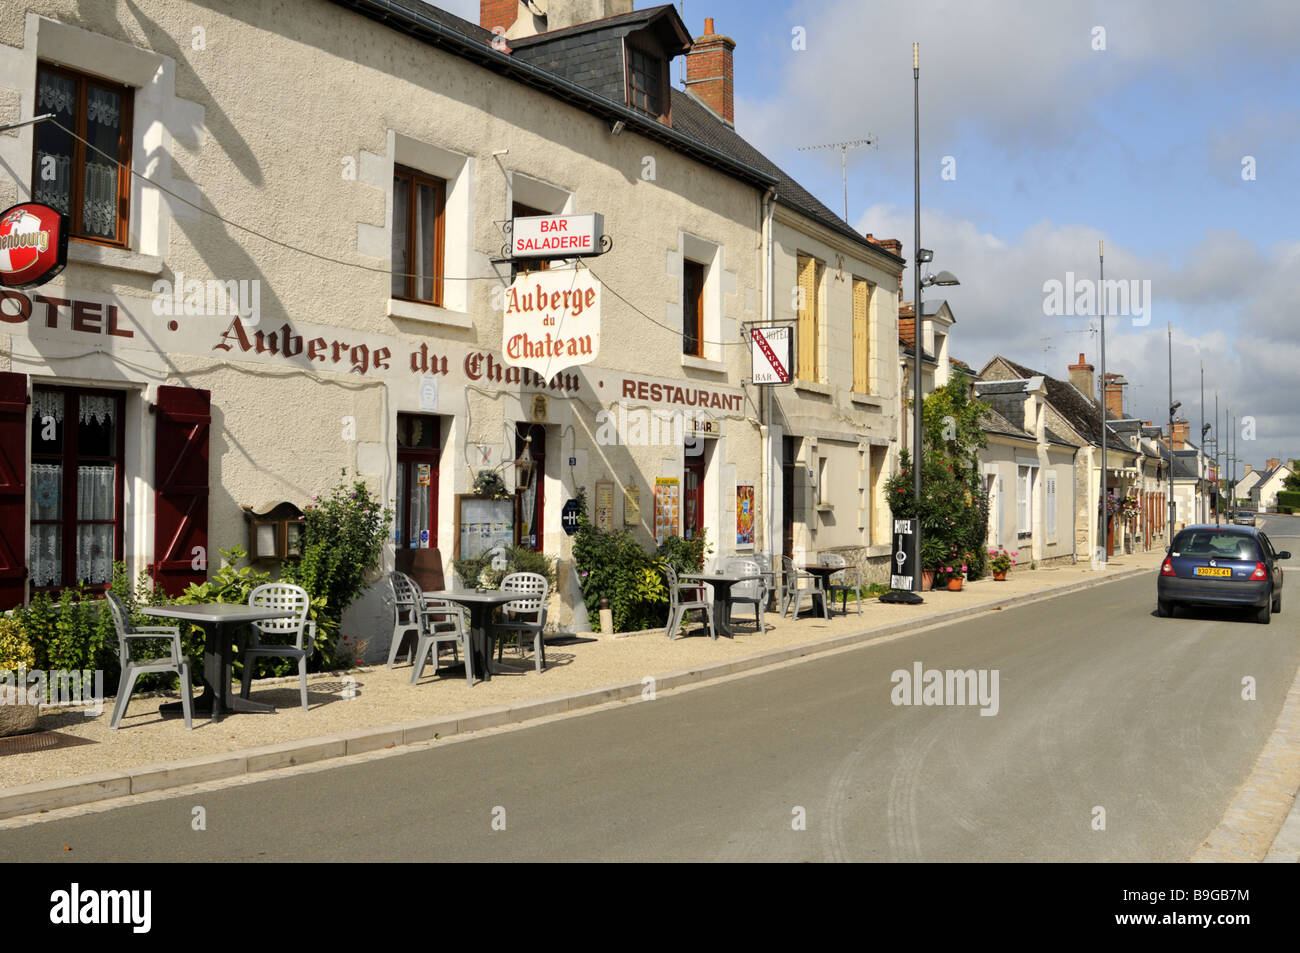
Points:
point(1289, 499)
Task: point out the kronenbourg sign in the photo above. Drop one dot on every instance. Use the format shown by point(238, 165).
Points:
point(33, 244)
point(552, 321)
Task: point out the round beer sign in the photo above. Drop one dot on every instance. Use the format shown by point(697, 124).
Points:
point(33, 245)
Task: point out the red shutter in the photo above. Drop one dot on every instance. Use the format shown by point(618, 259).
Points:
point(180, 487)
point(13, 489)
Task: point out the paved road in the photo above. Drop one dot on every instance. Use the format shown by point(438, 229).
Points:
point(1101, 705)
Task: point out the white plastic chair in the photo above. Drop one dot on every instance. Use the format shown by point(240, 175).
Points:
point(406, 612)
point(749, 590)
point(524, 616)
point(294, 625)
point(440, 621)
point(839, 582)
point(797, 585)
point(176, 660)
point(679, 603)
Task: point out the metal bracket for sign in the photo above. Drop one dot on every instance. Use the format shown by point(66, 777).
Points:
point(507, 258)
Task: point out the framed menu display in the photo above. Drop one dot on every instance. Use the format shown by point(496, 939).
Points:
point(667, 506)
point(605, 505)
point(483, 523)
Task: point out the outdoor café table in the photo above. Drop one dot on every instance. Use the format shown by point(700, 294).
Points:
point(480, 603)
point(721, 583)
point(823, 573)
point(214, 619)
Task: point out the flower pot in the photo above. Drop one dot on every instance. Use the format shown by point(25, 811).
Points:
point(954, 584)
point(999, 576)
point(927, 580)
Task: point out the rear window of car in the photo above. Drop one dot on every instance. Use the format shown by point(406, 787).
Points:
point(1217, 545)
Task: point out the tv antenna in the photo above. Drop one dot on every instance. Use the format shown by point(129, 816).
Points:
point(844, 148)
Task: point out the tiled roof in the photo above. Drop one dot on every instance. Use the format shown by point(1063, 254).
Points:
point(619, 21)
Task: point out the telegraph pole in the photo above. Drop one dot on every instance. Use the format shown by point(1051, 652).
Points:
point(1104, 514)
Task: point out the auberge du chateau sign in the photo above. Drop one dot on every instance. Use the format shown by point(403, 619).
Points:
point(552, 321)
point(33, 244)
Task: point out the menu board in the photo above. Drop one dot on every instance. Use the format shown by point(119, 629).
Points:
point(482, 524)
point(667, 506)
point(604, 506)
point(631, 505)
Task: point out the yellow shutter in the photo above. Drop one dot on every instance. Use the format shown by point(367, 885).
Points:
point(808, 316)
point(861, 337)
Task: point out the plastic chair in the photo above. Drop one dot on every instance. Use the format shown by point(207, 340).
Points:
point(176, 661)
point(772, 577)
point(839, 582)
point(440, 621)
point(797, 585)
point(406, 612)
point(679, 606)
point(750, 590)
point(294, 625)
point(523, 616)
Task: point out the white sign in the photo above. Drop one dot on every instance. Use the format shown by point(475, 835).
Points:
point(552, 321)
point(557, 236)
point(770, 355)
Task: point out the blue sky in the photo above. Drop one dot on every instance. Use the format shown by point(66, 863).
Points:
point(1058, 144)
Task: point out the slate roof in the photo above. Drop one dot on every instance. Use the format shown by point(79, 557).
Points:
point(1079, 411)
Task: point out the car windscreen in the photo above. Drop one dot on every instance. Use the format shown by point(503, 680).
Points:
point(1215, 545)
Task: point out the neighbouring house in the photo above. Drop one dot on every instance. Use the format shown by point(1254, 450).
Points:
point(1245, 487)
point(1263, 495)
point(1132, 468)
point(1028, 471)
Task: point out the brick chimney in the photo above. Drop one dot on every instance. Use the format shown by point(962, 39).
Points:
point(894, 246)
point(709, 72)
point(1272, 463)
point(497, 13)
point(1180, 433)
point(1081, 376)
point(1115, 385)
point(1249, 467)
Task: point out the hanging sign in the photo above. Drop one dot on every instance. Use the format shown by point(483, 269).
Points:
point(557, 236)
point(33, 244)
point(770, 355)
point(552, 321)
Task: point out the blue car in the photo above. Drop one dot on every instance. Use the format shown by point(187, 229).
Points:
point(1233, 566)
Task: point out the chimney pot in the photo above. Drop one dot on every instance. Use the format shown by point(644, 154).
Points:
point(708, 26)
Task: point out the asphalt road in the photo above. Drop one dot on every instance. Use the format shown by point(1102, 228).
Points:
point(1100, 705)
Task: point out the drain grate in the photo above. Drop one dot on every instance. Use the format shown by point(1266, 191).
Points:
point(39, 741)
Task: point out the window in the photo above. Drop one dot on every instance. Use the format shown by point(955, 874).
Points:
point(1024, 501)
point(86, 183)
point(418, 450)
point(532, 497)
point(861, 337)
point(823, 490)
point(419, 204)
point(809, 315)
point(1049, 503)
point(692, 308)
point(644, 82)
point(76, 486)
point(693, 496)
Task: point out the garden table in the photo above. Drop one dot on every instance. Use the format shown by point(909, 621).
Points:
point(481, 603)
point(214, 619)
point(721, 583)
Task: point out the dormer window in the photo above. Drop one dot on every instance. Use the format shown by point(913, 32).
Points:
point(645, 82)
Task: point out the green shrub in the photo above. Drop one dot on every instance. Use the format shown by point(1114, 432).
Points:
point(476, 571)
point(342, 538)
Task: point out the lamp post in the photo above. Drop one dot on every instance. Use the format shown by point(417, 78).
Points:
point(1104, 514)
point(1173, 406)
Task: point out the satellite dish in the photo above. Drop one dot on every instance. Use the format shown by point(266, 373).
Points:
point(537, 7)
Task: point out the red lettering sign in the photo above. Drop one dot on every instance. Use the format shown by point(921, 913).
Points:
point(33, 244)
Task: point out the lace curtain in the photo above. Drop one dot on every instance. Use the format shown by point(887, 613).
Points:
point(99, 207)
point(100, 409)
point(57, 93)
point(53, 180)
point(47, 403)
point(95, 486)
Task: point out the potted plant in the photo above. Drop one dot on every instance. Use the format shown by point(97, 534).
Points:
point(956, 576)
point(17, 657)
point(1001, 562)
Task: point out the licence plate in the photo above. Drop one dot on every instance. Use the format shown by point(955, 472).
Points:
point(1213, 571)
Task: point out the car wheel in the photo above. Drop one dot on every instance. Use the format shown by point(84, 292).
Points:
point(1277, 604)
point(1264, 613)
point(1164, 610)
